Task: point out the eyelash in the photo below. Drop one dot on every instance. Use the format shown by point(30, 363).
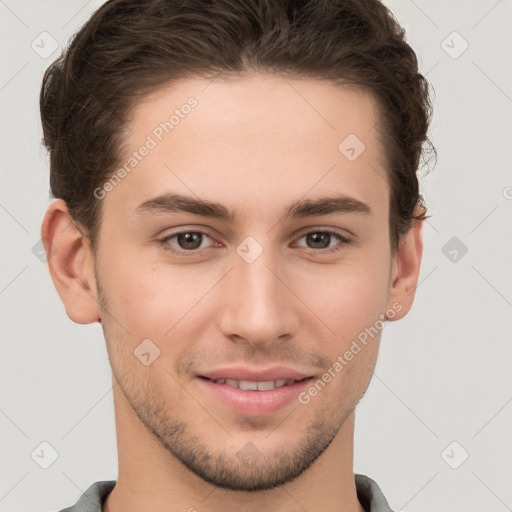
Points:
point(164, 242)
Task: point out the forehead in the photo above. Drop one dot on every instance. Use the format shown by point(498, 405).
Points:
point(253, 140)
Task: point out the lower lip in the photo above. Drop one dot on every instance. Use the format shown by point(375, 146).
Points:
point(255, 403)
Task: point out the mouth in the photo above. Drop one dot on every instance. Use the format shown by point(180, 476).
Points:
point(248, 385)
point(253, 398)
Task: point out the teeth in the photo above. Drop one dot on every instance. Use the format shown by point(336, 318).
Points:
point(255, 386)
point(265, 386)
point(248, 385)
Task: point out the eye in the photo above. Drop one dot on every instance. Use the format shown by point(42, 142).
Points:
point(191, 241)
point(321, 240)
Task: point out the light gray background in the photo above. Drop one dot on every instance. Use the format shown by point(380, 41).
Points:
point(443, 373)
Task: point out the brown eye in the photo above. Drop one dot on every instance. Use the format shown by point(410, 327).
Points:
point(189, 240)
point(185, 243)
point(322, 241)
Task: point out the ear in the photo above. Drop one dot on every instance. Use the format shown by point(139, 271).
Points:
point(405, 270)
point(71, 264)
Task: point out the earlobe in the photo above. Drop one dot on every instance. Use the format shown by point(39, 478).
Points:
point(70, 263)
point(405, 271)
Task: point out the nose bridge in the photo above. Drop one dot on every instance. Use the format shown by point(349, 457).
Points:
point(255, 299)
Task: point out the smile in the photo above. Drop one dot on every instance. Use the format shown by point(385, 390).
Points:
point(249, 385)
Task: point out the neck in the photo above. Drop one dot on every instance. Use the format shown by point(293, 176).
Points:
point(151, 478)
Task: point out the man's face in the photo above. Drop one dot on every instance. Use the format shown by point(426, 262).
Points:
point(254, 292)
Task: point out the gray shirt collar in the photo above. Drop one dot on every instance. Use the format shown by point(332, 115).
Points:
point(368, 492)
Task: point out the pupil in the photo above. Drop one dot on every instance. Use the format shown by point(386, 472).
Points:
point(185, 239)
point(316, 237)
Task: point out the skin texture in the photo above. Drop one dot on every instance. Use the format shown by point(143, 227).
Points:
point(255, 143)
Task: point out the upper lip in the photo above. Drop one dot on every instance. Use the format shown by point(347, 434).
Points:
point(254, 374)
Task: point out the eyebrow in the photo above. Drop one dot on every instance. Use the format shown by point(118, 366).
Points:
point(169, 203)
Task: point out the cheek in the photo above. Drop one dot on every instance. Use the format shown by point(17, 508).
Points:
point(164, 303)
point(155, 300)
point(348, 297)
point(350, 303)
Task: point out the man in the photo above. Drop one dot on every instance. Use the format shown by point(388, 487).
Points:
point(237, 204)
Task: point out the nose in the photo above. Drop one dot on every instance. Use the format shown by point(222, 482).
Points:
point(257, 307)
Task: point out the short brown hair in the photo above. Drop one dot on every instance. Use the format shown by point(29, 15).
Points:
point(129, 48)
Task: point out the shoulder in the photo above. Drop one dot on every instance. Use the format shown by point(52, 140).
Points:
point(370, 495)
point(92, 499)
